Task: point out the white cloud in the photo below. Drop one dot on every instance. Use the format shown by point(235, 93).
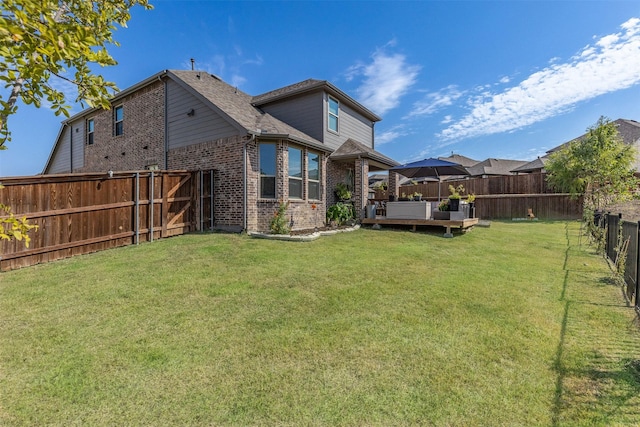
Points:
point(447, 119)
point(611, 64)
point(433, 102)
point(385, 80)
point(390, 135)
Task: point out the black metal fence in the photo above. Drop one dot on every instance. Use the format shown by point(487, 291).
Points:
point(621, 245)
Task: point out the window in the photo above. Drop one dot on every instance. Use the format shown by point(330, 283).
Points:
point(90, 131)
point(118, 121)
point(267, 160)
point(333, 114)
point(295, 173)
point(313, 175)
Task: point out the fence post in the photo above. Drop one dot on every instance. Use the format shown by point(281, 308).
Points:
point(137, 213)
point(637, 265)
point(151, 198)
point(164, 204)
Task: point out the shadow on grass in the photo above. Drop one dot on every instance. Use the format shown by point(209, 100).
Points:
point(598, 373)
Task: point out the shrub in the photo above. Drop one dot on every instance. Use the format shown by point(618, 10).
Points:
point(279, 224)
point(340, 213)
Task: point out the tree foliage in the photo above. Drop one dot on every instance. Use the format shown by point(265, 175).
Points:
point(12, 227)
point(598, 166)
point(44, 42)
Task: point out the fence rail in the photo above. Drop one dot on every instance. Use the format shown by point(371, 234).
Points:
point(504, 197)
point(622, 239)
point(534, 183)
point(82, 213)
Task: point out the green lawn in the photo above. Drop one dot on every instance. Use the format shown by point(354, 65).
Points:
point(513, 325)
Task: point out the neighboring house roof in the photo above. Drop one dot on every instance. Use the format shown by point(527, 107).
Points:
point(533, 166)
point(495, 167)
point(629, 131)
point(352, 149)
point(422, 180)
point(378, 177)
point(311, 85)
point(459, 159)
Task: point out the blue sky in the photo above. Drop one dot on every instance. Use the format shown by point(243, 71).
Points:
point(503, 79)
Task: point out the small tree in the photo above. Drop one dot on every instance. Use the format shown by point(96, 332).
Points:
point(598, 166)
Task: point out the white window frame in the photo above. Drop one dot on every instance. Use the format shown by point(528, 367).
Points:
point(117, 122)
point(262, 176)
point(298, 179)
point(90, 131)
point(331, 115)
point(315, 181)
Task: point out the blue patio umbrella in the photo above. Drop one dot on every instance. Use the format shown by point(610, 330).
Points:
point(430, 167)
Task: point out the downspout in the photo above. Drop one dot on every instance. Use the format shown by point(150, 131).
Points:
point(245, 196)
point(166, 126)
point(373, 135)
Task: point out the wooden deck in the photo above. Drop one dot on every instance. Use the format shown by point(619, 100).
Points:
point(464, 225)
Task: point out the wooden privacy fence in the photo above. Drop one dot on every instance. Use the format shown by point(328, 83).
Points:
point(534, 183)
point(515, 206)
point(82, 213)
point(504, 197)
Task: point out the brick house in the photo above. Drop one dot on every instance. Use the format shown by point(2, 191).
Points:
point(291, 144)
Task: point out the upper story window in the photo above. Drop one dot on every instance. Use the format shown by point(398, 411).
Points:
point(267, 164)
point(295, 173)
point(90, 131)
point(313, 175)
point(332, 119)
point(118, 120)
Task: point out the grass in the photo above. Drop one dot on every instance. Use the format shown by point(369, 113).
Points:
point(517, 324)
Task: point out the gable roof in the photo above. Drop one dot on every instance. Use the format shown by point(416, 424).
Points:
point(495, 167)
point(459, 159)
point(629, 131)
point(236, 107)
point(533, 166)
point(312, 85)
point(352, 149)
point(229, 102)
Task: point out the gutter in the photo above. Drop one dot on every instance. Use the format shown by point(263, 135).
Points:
point(297, 139)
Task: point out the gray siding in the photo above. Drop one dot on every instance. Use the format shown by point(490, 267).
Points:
point(304, 113)
point(350, 125)
point(77, 140)
point(61, 158)
point(69, 154)
point(203, 126)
